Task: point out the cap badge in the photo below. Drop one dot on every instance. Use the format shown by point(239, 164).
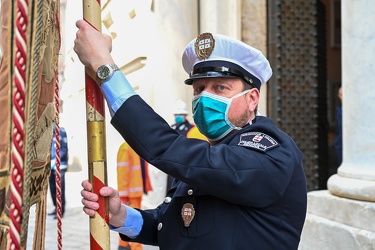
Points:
point(204, 45)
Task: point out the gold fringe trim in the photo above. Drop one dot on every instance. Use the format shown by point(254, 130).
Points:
point(40, 224)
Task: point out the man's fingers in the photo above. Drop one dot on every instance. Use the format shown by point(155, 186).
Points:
point(80, 23)
point(107, 192)
point(88, 211)
point(90, 204)
point(86, 185)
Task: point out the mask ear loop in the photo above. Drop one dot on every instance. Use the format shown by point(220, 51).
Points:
point(228, 107)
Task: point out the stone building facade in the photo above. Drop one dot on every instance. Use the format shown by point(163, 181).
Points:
point(310, 59)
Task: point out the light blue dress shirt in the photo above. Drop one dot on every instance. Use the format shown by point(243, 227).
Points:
point(116, 91)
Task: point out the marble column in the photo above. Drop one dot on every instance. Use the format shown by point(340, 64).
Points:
point(356, 176)
point(343, 217)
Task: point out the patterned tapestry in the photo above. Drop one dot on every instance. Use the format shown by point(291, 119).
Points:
point(29, 51)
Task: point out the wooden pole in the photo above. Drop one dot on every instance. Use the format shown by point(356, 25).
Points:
point(96, 142)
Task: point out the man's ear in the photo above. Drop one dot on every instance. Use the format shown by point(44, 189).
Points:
point(253, 98)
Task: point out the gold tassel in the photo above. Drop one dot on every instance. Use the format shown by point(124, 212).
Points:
point(40, 223)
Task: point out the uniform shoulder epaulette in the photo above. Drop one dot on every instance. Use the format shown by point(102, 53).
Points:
point(257, 140)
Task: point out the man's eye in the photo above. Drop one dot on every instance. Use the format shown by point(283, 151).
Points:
point(199, 90)
point(221, 87)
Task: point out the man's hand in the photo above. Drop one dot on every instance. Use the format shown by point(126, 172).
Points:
point(117, 211)
point(92, 47)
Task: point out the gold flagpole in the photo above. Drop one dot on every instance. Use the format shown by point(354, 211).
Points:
point(96, 142)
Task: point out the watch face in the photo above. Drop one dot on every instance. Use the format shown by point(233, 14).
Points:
point(103, 72)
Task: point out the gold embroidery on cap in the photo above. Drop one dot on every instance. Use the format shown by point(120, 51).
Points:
point(204, 45)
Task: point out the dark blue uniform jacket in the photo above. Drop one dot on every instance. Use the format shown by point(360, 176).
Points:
point(248, 191)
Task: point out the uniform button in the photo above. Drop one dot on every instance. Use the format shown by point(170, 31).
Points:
point(160, 226)
point(167, 199)
point(190, 192)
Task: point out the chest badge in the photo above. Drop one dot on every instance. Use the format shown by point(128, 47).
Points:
point(187, 213)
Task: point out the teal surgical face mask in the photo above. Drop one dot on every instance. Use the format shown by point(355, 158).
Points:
point(210, 114)
point(179, 119)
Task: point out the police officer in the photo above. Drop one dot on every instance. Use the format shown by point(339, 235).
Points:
point(244, 189)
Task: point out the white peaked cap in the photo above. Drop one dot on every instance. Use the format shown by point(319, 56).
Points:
point(210, 56)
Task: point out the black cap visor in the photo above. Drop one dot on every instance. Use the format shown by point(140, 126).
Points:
point(210, 74)
point(223, 69)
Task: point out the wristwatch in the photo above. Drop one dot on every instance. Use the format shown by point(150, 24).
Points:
point(105, 72)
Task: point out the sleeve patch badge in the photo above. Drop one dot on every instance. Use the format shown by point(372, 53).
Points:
point(258, 141)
